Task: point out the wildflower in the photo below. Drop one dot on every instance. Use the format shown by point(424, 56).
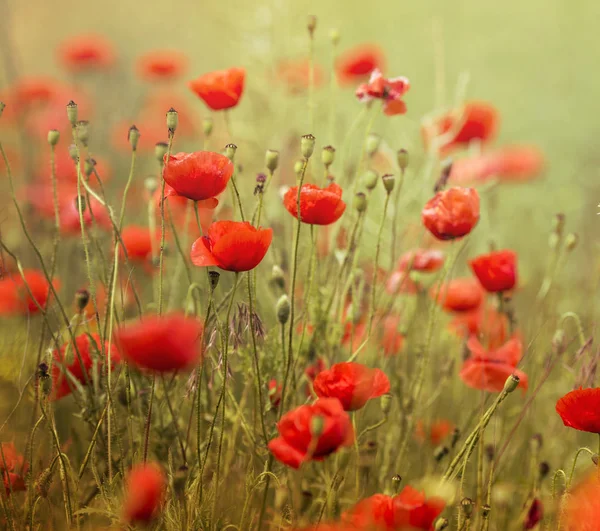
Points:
point(452, 213)
point(390, 91)
point(358, 62)
point(15, 297)
point(13, 468)
point(232, 246)
point(392, 340)
point(298, 439)
point(437, 431)
point(138, 242)
point(497, 271)
point(423, 260)
point(581, 508)
point(485, 322)
point(86, 52)
point(161, 65)
point(161, 343)
point(68, 366)
point(221, 89)
point(295, 75)
point(145, 490)
point(476, 120)
point(580, 409)
point(352, 384)
point(198, 176)
point(318, 206)
point(459, 294)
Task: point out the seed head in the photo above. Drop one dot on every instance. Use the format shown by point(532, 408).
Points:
point(82, 297)
point(311, 25)
point(88, 166)
point(466, 506)
point(271, 159)
point(53, 137)
point(133, 136)
point(402, 158)
point(283, 309)
point(277, 277)
point(370, 179)
point(334, 37)
point(544, 469)
point(73, 153)
point(307, 145)
point(512, 382)
point(214, 277)
point(388, 182)
point(360, 202)
point(83, 132)
point(160, 150)
point(72, 113)
point(151, 184)
point(328, 156)
point(571, 241)
point(172, 120)
point(230, 150)
point(441, 524)
point(396, 482)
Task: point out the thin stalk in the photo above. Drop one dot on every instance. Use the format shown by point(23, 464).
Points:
point(162, 228)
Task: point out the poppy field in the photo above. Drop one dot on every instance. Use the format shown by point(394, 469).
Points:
point(296, 286)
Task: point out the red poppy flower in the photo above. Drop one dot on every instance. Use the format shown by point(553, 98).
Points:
point(390, 91)
point(67, 366)
point(485, 322)
point(295, 75)
point(459, 294)
point(423, 260)
point(138, 243)
point(490, 375)
point(145, 488)
point(199, 175)
point(318, 206)
point(475, 120)
point(497, 271)
point(581, 508)
point(438, 431)
point(86, 52)
point(400, 282)
point(275, 390)
point(510, 352)
point(392, 340)
point(580, 409)
point(221, 89)
point(14, 293)
point(13, 468)
point(534, 514)
point(296, 443)
point(162, 343)
point(352, 384)
point(451, 213)
point(357, 63)
point(232, 246)
point(161, 65)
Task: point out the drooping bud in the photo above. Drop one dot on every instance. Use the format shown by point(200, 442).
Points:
point(53, 137)
point(402, 158)
point(283, 309)
point(172, 120)
point(334, 37)
point(360, 202)
point(133, 136)
point(150, 183)
point(72, 113)
point(328, 156)
point(160, 150)
point(207, 126)
point(230, 150)
point(277, 277)
point(466, 506)
point(512, 382)
point(307, 145)
point(388, 182)
point(214, 277)
point(317, 425)
point(311, 25)
point(372, 143)
point(83, 132)
point(370, 179)
point(571, 241)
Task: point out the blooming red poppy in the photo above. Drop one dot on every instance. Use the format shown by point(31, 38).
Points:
point(67, 365)
point(490, 375)
point(497, 271)
point(161, 65)
point(357, 63)
point(485, 322)
point(580, 409)
point(162, 343)
point(534, 514)
point(296, 443)
point(422, 260)
point(438, 431)
point(581, 508)
point(86, 52)
point(295, 75)
point(221, 89)
point(476, 120)
point(390, 91)
point(352, 384)
point(275, 390)
point(232, 246)
point(145, 488)
point(199, 175)
point(15, 297)
point(13, 468)
point(510, 352)
point(318, 206)
point(138, 244)
point(392, 340)
point(459, 294)
point(452, 213)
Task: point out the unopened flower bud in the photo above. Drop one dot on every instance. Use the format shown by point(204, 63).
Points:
point(160, 150)
point(133, 136)
point(311, 25)
point(299, 168)
point(83, 132)
point(372, 144)
point(277, 277)
point(53, 137)
point(172, 120)
point(571, 241)
point(307, 145)
point(396, 482)
point(271, 159)
point(72, 113)
point(388, 182)
point(370, 179)
point(360, 202)
point(207, 126)
point(328, 156)
point(490, 451)
point(283, 309)
point(595, 459)
point(317, 425)
point(402, 158)
point(466, 506)
point(43, 482)
point(82, 297)
point(512, 382)
point(214, 277)
point(441, 524)
point(230, 150)
point(334, 37)
point(151, 184)
point(386, 404)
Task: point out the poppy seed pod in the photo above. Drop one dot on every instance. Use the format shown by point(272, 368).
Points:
point(83, 132)
point(53, 137)
point(207, 126)
point(328, 156)
point(230, 150)
point(370, 179)
point(151, 184)
point(512, 382)
point(214, 277)
point(372, 144)
point(72, 113)
point(172, 120)
point(283, 309)
point(360, 202)
point(160, 150)
point(388, 182)
point(271, 159)
point(307, 145)
point(298, 168)
point(485, 510)
point(466, 506)
point(544, 469)
point(402, 158)
point(559, 341)
point(133, 136)
point(88, 166)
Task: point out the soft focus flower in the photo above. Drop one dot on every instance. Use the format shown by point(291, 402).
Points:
point(68, 366)
point(198, 176)
point(436, 432)
point(581, 508)
point(295, 75)
point(353, 384)
point(392, 340)
point(13, 468)
point(94, 214)
point(221, 89)
point(318, 206)
point(459, 294)
point(580, 409)
point(451, 213)
point(534, 514)
point(15, 297)
point(145, 488)
point(497, 271)
point(475, 120)
point(390, 91)
point(164, 343)
point(297, 443)
point(422, 260)
point(232, 246)
point(86, 52)
point(138, 244)
point(160, 65)
point(484, 322)
point(358, 62)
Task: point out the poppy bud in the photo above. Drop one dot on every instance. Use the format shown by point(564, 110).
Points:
point(73, 153)
point(277, 277)
point(386, 404)
point(88, 166)
point(317, 425)
point(571, 241)
point(360, 202)
point(334, 36)
point(160, 150)
point(396, 482)
point(544, 469)
point(370, 179)
point(53, 137)
point(307, 145)
point(388, 182)
point(372, 143)
point(82, 298)
point(214, 277)
point(83, 132)
point(440, 524)
point(298, 168)
point(271, 159)
point(2, 107)
point(230, 150)
point(72, 113)
point(207, 126)
point(172, 120)
point(485, 510)
point(466, 506)
point(283, 309)
point(133, 136)
point(311, 24)
point(327, 156)
point(512, 382)
point(402, 158)
point(43, 369)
